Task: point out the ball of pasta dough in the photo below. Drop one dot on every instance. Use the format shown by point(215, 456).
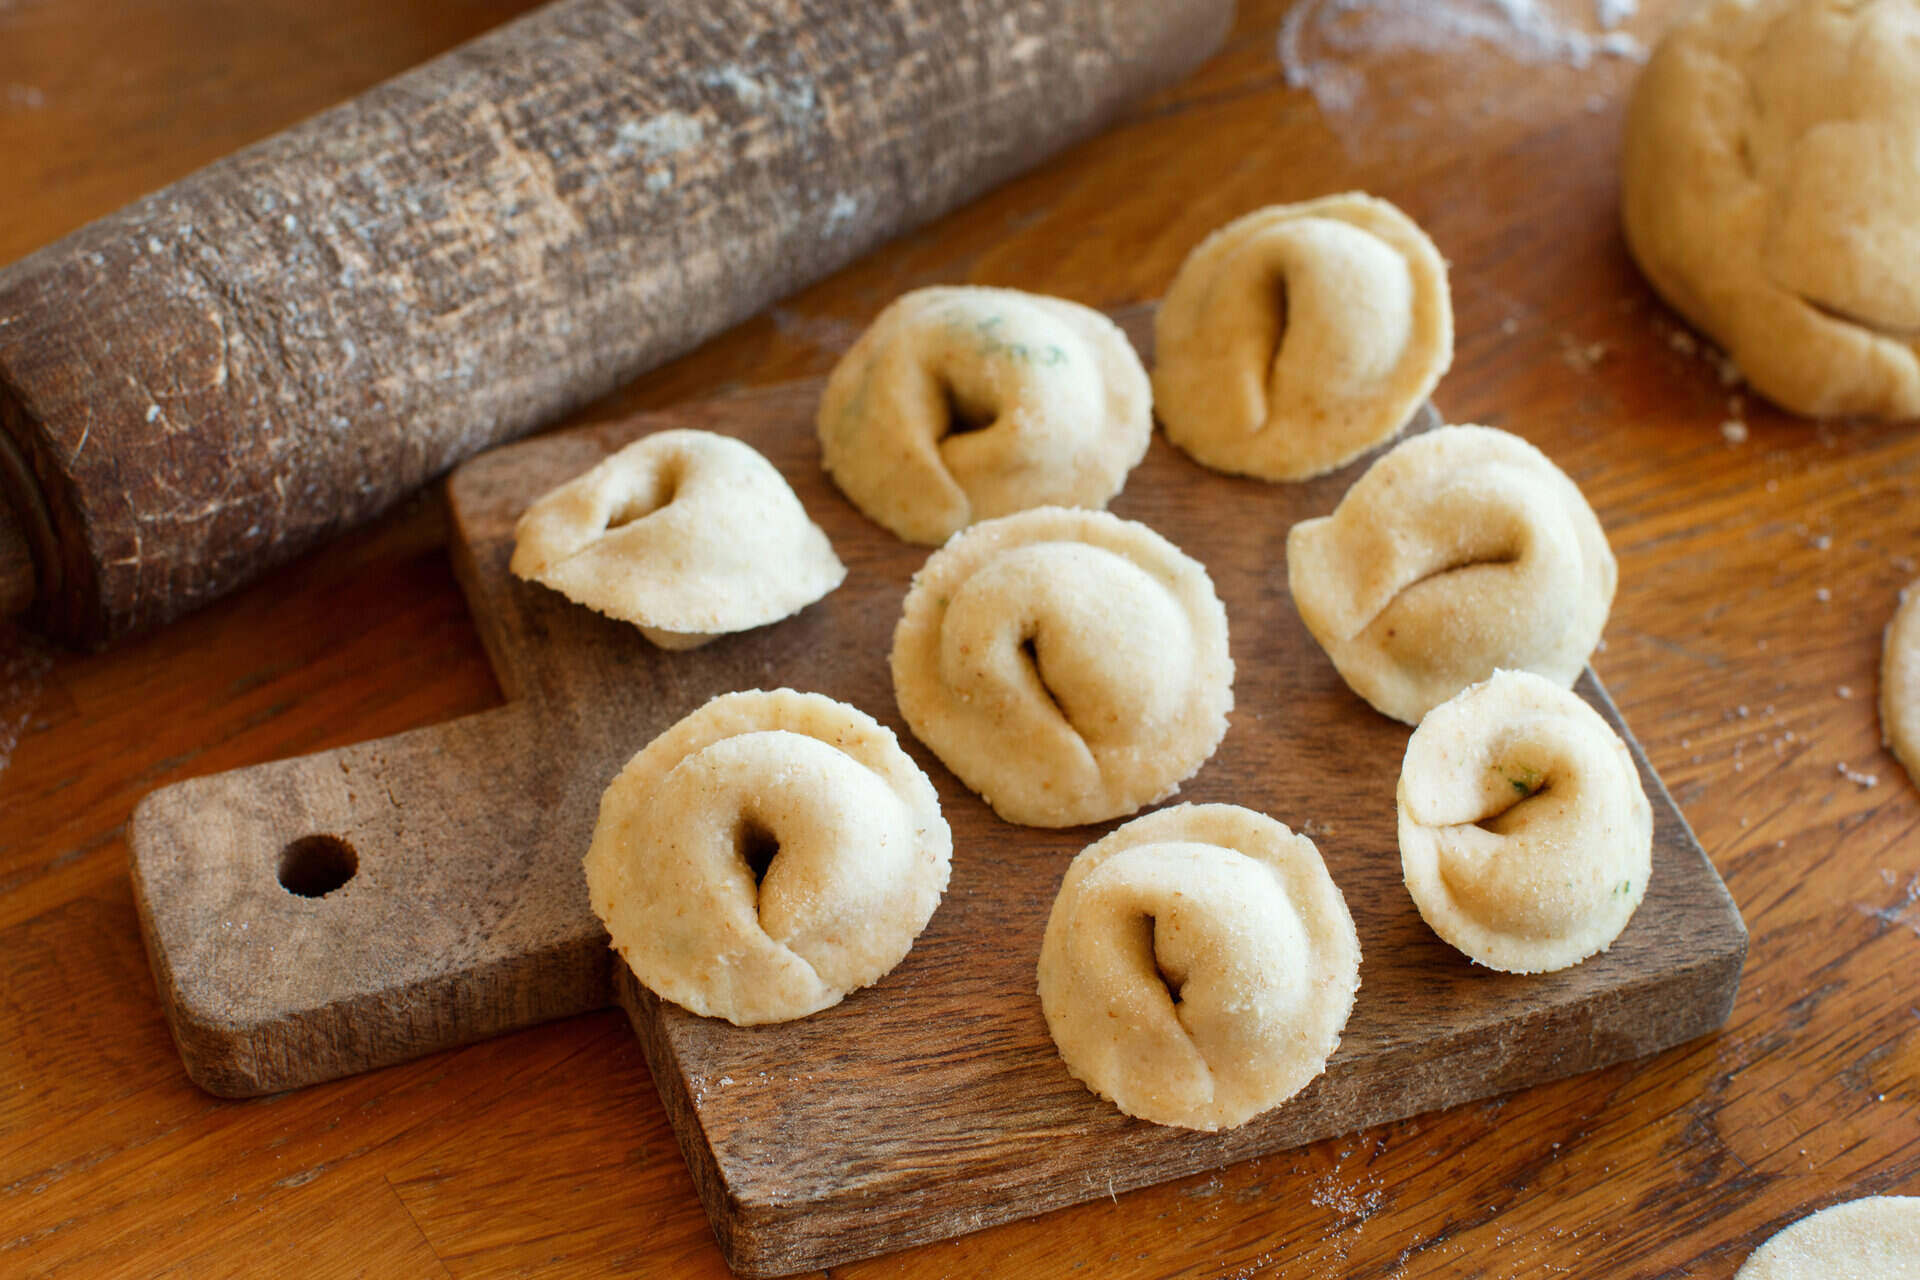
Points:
point(1461, 551)
point(1070, 666)
point(962, 403)
point(1199, 965)
point(686, 534)
point(766, 855)
point(1770, 190)
point(1299, 336)
point(1525, 837)
point(1873, 1238)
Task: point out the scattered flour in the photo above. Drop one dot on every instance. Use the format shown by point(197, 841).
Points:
point(1856, 777)
point(24, 663)
point(793, 100)
point(1904, 914)
point(656, 137)
point(844, 209)
point(1320, 39)
point(1581, 357)
point(1359, 1201)
point(1611, 13)
point(822, 333)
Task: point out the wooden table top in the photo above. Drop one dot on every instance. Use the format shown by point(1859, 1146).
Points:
point(1758, 564)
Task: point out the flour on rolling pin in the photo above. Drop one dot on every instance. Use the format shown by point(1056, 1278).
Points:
point(282, 345)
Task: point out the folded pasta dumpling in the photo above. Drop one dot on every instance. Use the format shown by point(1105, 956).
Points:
point(1461, 551)
point(1070, 666)
point(963, 403)
point(1296, 338)
point(1525, 836)
point(766, 855)
point(1198, 966)
point(686, 534)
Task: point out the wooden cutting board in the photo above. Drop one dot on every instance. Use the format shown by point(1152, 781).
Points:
point(932, 1103)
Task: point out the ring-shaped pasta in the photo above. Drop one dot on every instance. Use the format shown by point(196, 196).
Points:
point(1070, 666)
point(1296, 338)
point(963, 403)
point(1198, 966)
point(766, 855)
point(1460, 552)
point(1526, 838)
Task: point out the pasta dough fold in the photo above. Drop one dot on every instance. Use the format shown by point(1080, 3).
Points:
point(963, 403)
point(1198, 966)
point(1069, 666)
point(1461, 551)
point(766, 855)
point(686, 534)
point(1525, 836)
point(1299, 336)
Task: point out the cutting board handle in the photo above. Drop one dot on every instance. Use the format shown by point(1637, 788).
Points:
point(359, 907)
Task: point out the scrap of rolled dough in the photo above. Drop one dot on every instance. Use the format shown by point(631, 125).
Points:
point(1900, 683)
point(1874, 1238)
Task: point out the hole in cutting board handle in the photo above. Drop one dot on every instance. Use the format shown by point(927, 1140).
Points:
point(314, 866)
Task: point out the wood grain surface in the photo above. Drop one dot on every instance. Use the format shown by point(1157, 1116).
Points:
point(1756, 574)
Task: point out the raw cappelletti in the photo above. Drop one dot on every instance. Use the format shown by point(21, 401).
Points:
point(963, 403)
point(1198, 966)
point(1070, 666)
point(686, 534)
point(765, 856)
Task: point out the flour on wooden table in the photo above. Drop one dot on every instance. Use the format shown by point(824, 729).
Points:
point(24, 662)
point(1324, 44)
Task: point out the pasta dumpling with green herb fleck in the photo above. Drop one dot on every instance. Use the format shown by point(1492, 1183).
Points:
point(1525, 836)
point(963, 403)
point(1460, 552)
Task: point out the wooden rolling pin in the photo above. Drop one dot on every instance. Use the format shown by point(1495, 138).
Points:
point(283, 344)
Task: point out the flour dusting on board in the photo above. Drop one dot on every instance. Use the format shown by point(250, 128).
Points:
point(1904, 914)
point(1321, 40)
point(822, 333)
point(24, 663)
